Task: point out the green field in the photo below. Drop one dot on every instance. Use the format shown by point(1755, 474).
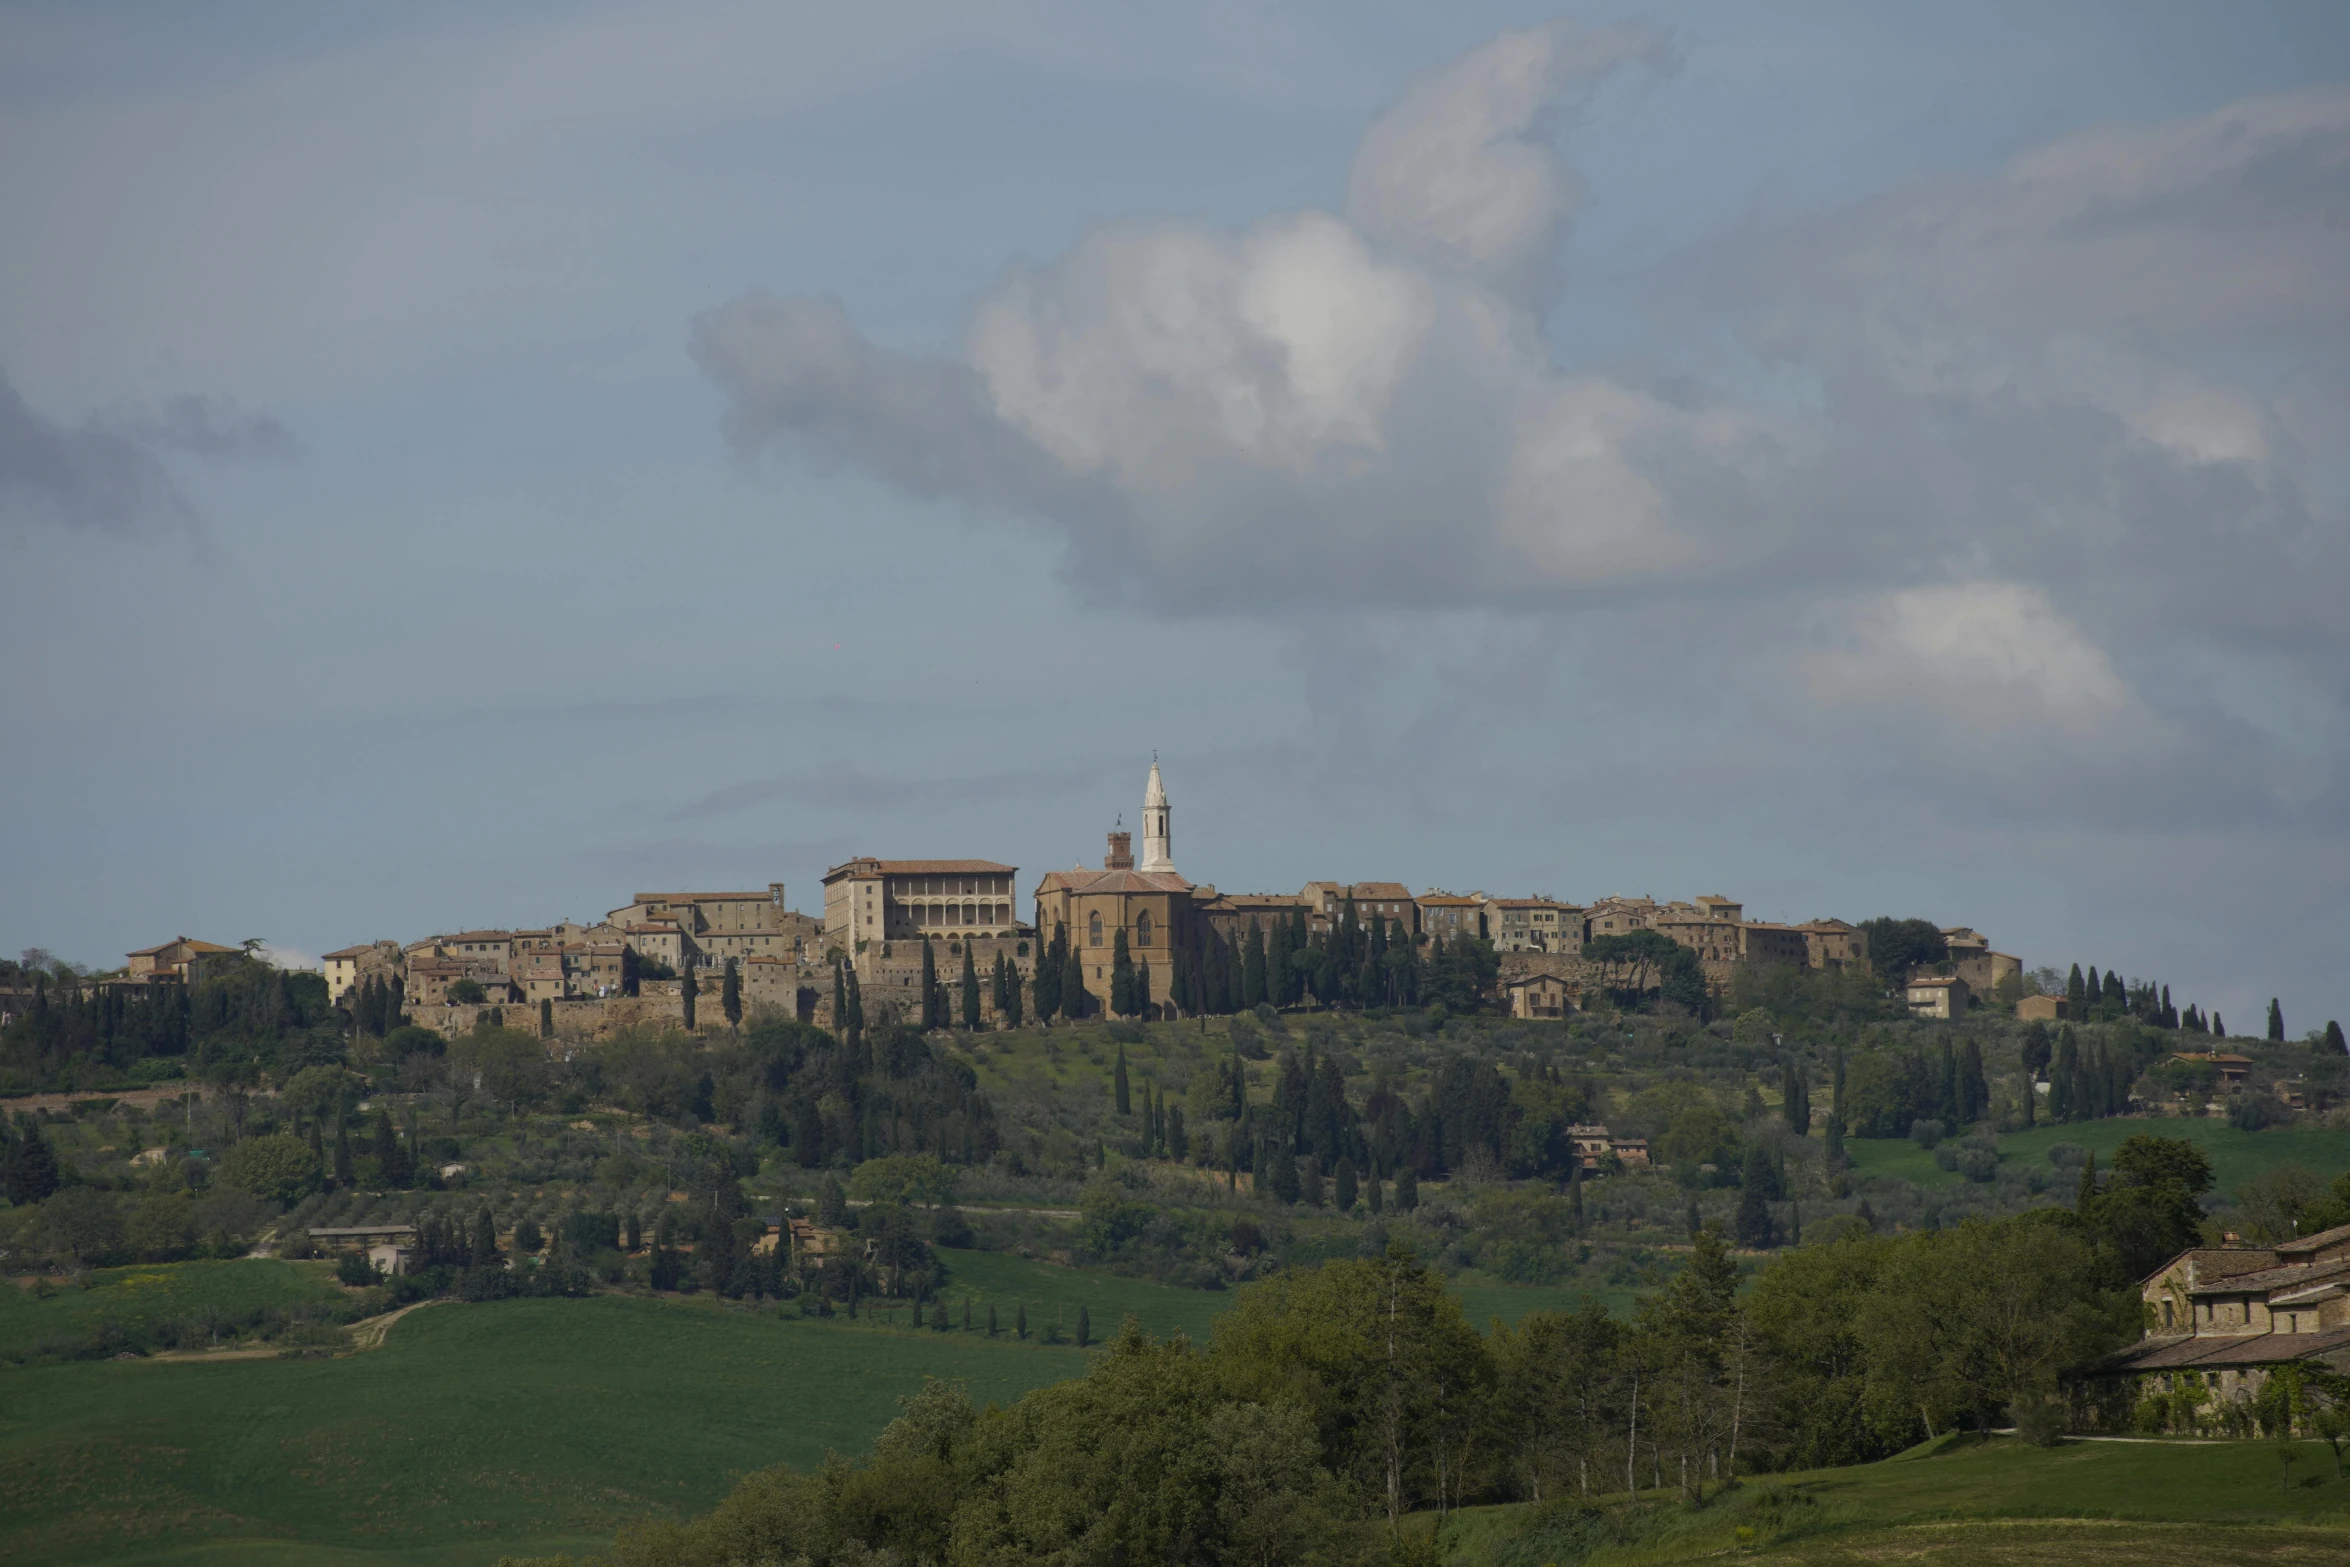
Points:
point(1962, 1502)
point(531, 1425)
point(133, 1298)
point(2235, 1156)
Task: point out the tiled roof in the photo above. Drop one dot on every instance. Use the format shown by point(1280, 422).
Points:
point(2229, 1349)
point(359, 951)
point(2264, 1279)
point(1113, 881)
point(870, 867)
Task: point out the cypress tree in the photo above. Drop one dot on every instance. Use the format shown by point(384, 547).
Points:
point(1075, 1001)
point(930, 1017)
point(1012, 1008)
point(689, 989)
point(1753, 1223)
point(1252, 967)
point(2093, 992)
point(546, 1018)
point(2276, 1021)
point(970, 990)
point(1121, 976)
point(1974, 1091)
point(1142, 989)
point(1051, 960)
point(2088, 1189)
point(730, 994)
point(1283, 1176)
point(992, 1329)
point(482, 1249)
point(840, 1000)
point(1342, 1186)
point(1949, 1109)
point(1084, 1328)
point(1574, 1192)
point(2334, 1043)
point(342, 1158)
point(2218, 1028)
point(2076, 994)
point(1020, 1322)
point(1118, 1084)
point(1407, 1189)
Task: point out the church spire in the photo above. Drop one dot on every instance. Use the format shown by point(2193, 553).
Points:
point(1157, 840)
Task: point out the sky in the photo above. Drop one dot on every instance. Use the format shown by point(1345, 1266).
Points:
point(463, 466)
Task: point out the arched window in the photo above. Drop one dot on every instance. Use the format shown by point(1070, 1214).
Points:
point(1142, 928)
point(1094, 930)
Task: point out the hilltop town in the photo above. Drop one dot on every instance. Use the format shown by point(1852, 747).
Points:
point(1132, 938)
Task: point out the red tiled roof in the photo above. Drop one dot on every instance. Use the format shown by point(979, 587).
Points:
point(872, 867)
point(1113, 881)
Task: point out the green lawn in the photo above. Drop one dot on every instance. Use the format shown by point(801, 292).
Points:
point(2235, 1156)
point(133, 1298)
point(1959, 1503)
point(522, 1426)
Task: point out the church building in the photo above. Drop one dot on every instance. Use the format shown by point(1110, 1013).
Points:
point(1152, 903)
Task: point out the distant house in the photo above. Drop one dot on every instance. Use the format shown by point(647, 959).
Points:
point(1537, 996)
point(1941, 996)
point(2042, 1009)
point(2231, 1068)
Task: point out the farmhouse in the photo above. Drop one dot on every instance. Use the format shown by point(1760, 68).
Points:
point(2222, 1317)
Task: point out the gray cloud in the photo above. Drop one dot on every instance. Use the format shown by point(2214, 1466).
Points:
point(106, 475)
point(208, 427)
point(80, 478)
point(2055, 508)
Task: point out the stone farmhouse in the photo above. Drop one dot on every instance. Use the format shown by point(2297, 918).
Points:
point(2221, 1319)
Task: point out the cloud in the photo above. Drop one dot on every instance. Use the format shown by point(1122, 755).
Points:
point(106, 475)
point(2046, 455)
point(1460, 177)
point(208, 427)
point(80, 478)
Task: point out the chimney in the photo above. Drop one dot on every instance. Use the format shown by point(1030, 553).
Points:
point(1121, 855)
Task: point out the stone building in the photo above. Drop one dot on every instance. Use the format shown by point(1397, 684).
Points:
point(1972, 960)
point(1535, 925)
point(1326, 903)
point(1538, 996)
point(2220, 1319)
point(1160, 912)
point(1939, 996)
point(1450, 915)
point(1830, 943)
point(868, 900)
point(1231, 914)
point(713, 926)
point(348, 968)
point(183, 958)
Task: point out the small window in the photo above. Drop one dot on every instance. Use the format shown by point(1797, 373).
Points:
point(1142, 929)
point(1094, 931)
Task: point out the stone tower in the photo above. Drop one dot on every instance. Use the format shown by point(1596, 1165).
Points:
point(1158, 845)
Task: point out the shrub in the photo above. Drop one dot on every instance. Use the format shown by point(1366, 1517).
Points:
point(1977, 1161)
point(279, 1168)
point(1926, 1132)
point(353, 1268)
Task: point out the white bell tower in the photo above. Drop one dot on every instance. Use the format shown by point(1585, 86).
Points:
point(1157, 842)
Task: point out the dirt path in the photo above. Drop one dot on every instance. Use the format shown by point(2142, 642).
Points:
point(186, 1356)
point(369, 1334)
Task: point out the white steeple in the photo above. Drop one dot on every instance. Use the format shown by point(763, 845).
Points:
point(1157, 841)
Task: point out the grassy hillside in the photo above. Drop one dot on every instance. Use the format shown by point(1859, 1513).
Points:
point(476, 1431)
point(1956, 1503)
point(133, 1298)
point(2235, 1156)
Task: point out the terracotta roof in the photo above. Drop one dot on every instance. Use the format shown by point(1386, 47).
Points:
point(190, 942)
point(1448, 900)
point(701, 897)
point(872, 867)
point(2338, 1235)
point(481, 935)
point(2229, 1349)
point(359, 951)
point(1113, 881)
point(1533, 903)
point(2297, 1275)
point(1373, 891)
point(1829, 925)
point(1934, 982)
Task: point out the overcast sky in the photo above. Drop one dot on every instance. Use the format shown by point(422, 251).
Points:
point(463, 469)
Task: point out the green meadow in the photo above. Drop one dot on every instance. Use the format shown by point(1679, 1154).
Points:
point(132, 1299)
point(476, 1431)
point(2235, 1156)
point(1967, 1502)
